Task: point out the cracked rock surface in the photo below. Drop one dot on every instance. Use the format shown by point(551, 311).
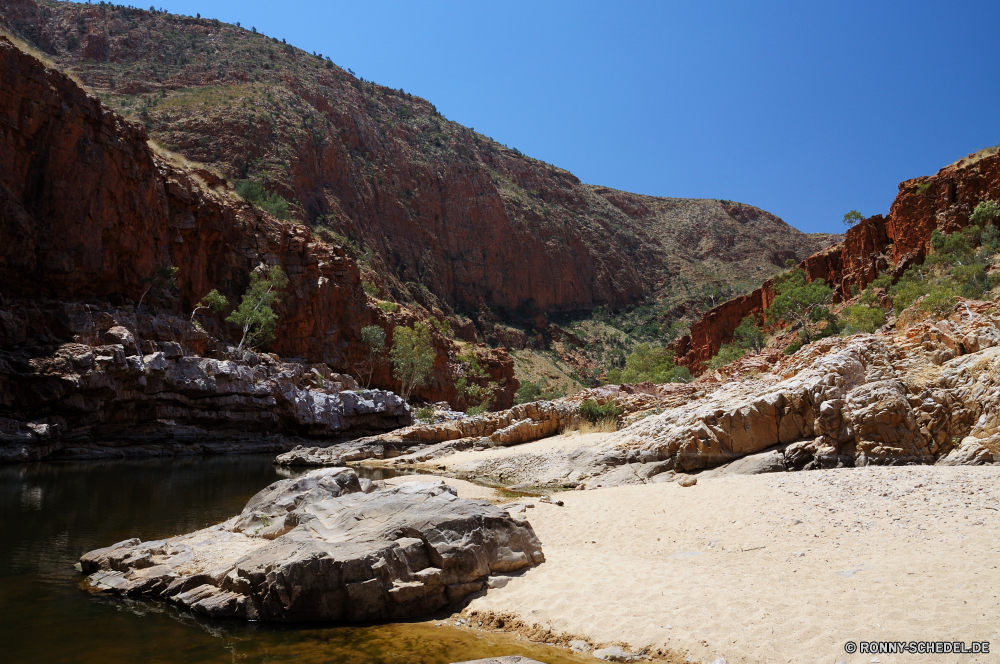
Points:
point(326, 546)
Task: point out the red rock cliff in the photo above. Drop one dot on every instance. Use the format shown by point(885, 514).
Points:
point(87, 211)
point(942, 201)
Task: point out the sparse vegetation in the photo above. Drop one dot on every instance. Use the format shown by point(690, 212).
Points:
point(412, 356)
point(800, 302)
point(728, 353)
point(424, 415)
point(160, 283)
point(214, 300)
point(957, 266)
point(862, 318)
point(748, 334)
point(531, 391)
point(256, 315)
point(594, 413)
point(852, 218)
point(652, 364)
point(255, 194)
point(469, 384)
point(373, 341)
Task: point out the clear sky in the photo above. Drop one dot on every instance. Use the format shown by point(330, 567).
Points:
point(805, 109)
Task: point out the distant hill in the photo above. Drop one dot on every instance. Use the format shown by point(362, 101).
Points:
point(438, 215)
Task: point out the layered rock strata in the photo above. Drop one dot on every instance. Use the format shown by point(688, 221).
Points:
point(90, 214)
point(520, 424)
point(943, 201)
point(115, 394)
point(927, 393)
point(326, 547)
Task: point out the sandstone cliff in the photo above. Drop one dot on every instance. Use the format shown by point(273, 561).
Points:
point(87, 211)
point(942, 201)
point(453, 220)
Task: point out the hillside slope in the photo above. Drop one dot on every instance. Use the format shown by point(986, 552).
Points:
point(436, 213)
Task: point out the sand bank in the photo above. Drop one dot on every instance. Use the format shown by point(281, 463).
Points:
point(784, 567)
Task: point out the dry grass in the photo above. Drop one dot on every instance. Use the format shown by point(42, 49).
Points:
point(185, 164)
point(38, 55)
point(976, 156)
point(584, 427)
point(207, 97)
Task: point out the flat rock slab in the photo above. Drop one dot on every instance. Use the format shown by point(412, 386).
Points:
point(326, 547)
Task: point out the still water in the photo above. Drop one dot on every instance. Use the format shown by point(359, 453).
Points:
point(53, 512)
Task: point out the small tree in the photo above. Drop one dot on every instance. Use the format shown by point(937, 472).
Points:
point(852, 218)
point(255, 314)
point(798, 301)
point(412, 356)
point(215, 301)
point(649, 363)
point(985, 213)
point(478, 397)
point(373, 340)
point(748, 334)
point(160, 282)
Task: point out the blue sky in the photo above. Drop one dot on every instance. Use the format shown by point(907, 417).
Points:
point(807, 110)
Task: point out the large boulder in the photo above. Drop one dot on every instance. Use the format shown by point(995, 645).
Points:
point(326, 547)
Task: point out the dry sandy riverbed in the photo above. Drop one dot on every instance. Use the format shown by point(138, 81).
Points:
point(784, 567)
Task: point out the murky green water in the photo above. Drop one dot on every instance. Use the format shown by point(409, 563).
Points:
point(52, 513)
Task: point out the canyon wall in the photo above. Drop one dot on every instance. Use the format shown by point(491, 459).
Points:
point(942, 201)
point(87, 212)
point(453, 220)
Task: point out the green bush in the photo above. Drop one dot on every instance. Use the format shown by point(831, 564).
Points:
point(727, 354)
point(985, 214)
point(472, 411)
point(255, 313)
point(793, 348)
point(255, 194)
point(370, 288)
point(412, 356)
point(649, 363)
point(530, 391)
point(594, 413)
point(799, 301)
point(748, 334)
point(388, 307)
point(425, 415)
point(861, 318)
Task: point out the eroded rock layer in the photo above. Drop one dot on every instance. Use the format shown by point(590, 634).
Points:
point(89, 215)
point(942, 201)
point(326, 546)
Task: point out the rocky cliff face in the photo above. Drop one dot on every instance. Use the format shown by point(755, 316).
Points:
point(454, 220)
point(87, 212)
point(942, 201)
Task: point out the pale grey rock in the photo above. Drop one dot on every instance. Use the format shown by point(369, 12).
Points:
point(317, 548)
point(616, 654)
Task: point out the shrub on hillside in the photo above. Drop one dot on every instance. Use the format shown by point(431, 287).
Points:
point(255, 194)
point(593, 412)
point(649, 363)
point(861, 318)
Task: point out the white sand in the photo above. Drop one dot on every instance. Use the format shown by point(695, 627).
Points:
point(714, 570)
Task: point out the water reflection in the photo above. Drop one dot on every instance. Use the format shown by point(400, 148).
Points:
point(52, 513)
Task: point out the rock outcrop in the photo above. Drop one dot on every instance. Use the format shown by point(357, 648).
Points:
point(942, 201)
point(119, 396)
point(421, 442)
point(452, 218)
point(926, 393)
point(326, 547)
point(88, 214)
